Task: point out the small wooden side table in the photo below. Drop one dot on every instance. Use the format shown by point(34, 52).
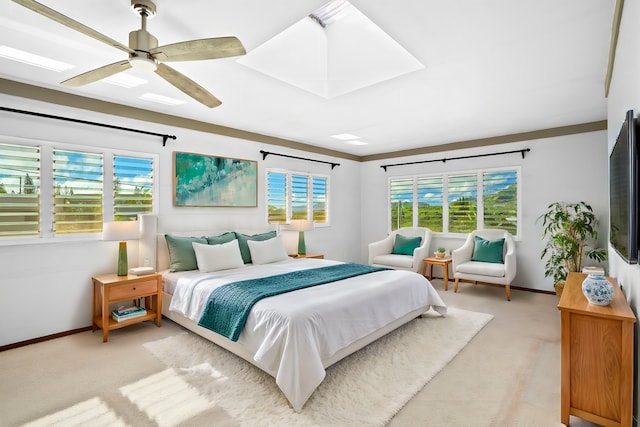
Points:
point(442, 262)
point(110, 289)
point(318, 256)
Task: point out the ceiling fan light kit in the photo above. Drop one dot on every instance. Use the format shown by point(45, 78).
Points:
point(144, 52)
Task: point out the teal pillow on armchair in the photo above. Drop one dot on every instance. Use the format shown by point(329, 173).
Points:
point(405, 245)
point(488, 250)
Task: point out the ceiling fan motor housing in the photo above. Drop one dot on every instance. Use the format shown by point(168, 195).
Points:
point(142, 41)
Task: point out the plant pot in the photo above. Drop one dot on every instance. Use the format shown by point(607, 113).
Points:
point(439, 254)
point(559, 288)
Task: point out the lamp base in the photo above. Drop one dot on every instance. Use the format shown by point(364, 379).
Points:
point(123, 265)
point(302, 249)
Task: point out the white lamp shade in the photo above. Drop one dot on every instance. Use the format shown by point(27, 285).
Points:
point(301, 225)
point(121, 230)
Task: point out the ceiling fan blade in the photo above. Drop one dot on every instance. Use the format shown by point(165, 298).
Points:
point(196, 50)
point(187, 86)
point(74, 25)
point(97, 74)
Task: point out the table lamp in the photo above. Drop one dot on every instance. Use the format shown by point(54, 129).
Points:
point(301, 225)
point(122, 231)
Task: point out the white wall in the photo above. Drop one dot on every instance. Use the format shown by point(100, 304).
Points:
point(568, 168)
point(625, 95)
point(45, 288)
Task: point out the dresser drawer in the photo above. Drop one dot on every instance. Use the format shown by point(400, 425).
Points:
point(133, 290)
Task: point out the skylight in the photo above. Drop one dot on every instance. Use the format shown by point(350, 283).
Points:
point(334, 50)
point(32, 59)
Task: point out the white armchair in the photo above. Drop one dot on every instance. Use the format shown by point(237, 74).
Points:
point(381, 252)
point(466, 269)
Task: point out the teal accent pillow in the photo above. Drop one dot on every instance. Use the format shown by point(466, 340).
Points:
point(244, 246)
point(222, 238)
point(405, 245)
point(488, 250)
point(182, 257)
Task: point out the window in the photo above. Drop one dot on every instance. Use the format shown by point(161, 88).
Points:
point(77, 189)
point(132, 187)
point(292, 195)
point(500, 200)
point(277, 198)
point(462, 193)
point(19, 190)
point(401, 191)
point(299, 197)
point(456, 202)
point(48, 191)
point(430, 203)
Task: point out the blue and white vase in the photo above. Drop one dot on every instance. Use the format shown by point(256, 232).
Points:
point(597, 289)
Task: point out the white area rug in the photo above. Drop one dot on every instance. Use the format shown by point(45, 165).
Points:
point(365, 389)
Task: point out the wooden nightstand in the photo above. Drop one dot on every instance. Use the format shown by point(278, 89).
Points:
point(110, 289)
point(318, 256)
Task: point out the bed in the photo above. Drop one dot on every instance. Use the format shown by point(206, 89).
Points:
point(296, 335)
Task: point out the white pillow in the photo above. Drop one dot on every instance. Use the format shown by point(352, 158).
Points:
point(267, 251)
point(218, 257)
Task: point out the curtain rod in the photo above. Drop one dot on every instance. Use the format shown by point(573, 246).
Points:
point(444, 159)
point(266, 153)
point(68, 119)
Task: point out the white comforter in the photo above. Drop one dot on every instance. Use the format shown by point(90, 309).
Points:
point(302, 328)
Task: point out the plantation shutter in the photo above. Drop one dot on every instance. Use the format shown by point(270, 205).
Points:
point(500, 197)
point(462, 200)
point(299, 197)
point(401, 202)
point(319, 192)
point(19, 190)
point(77, 182)
point(277, 197)
point(430, 203)
point(133, 187)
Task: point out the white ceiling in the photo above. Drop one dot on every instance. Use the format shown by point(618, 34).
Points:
point(492, 67)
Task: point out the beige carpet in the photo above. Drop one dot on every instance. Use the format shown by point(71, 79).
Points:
point(366, 389)
point(507, 375)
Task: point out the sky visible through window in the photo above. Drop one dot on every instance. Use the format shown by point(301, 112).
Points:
point(430, 189)
point(75, 170)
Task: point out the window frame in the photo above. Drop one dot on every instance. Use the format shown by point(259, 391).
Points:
point(47, 147)
point(288, 196)
point(445, 197)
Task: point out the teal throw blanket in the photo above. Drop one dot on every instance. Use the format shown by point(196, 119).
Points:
point(229, 305)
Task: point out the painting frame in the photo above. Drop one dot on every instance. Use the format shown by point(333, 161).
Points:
point(203, 180)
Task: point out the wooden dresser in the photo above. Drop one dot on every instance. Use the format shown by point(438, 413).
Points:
point(597, 357)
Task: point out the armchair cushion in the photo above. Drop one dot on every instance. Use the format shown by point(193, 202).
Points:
point(395, 261)
point(488, 250)
point(480, 268)
point(405, 245)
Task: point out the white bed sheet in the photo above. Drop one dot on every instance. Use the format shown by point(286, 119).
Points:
point(302, 328)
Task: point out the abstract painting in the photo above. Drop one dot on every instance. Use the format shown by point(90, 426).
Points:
point(202, 180)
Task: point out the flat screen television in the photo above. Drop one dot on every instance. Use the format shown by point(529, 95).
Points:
point(623, 191)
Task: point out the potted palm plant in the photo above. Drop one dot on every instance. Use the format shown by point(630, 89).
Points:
point(568, 227)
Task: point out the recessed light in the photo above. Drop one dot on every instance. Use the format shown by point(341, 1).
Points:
point(162, 99)
point(356, 142)
point(32, 59)
point(125, 80)
point(344, 136)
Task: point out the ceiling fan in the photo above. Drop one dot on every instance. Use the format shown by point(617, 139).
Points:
point(144, 52)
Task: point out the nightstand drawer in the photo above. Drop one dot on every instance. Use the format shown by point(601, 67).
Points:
point(133, 290)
